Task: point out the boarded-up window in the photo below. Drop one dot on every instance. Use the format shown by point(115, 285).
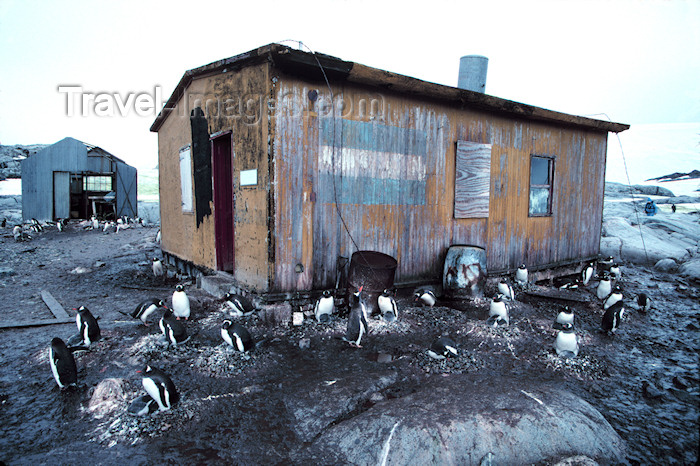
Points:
point(472, 180)
point(541, 176)
point(186, 179)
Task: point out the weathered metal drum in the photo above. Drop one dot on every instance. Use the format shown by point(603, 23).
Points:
point(464, 275)
point(374, 272)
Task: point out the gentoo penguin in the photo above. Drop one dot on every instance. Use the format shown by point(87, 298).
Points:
point(157, 267)
point(615, 271)
point(159, 386)
point(566, 343)
point(181, 303)
point(144, 310)
point(604, 287)
point(498, 312)
point(174, 331)
point(239, 305)
point(62, 364)
point(87, 326)
point(17, 232)
point(325, 306)
point(442, 348)
point(565, 316)
point(142, 406)
point(521, 275)
point(237, 336)
point(425, 297)
point(158, 236)
point(587, 273)
point(613, 297)
point(644, 302)
point(613, 317)
point(506, 290)
point(95, 223)
point(357, 321)
point(387, 306)
point(605, 264)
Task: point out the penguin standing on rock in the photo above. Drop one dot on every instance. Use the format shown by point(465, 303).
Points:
point(237, 336)
point(613, 297)
point(566, 316)
point(506, 290)
point(324, 308)
point(566, 344)
point(613, 318)
point(604, 287)
point(443, 347)
point(159, 386)
point(87, 326)
point(145, 309)
point(587, 273)
point(181, 303)
point(357, 321)
point(498, 312)
point(644, 302)
point(387, 306)
point(425, 297)
point(239, 305)
point(157, 267)
point(62, 364)
point(174, 331)
point(521, 275)
point(615, 271)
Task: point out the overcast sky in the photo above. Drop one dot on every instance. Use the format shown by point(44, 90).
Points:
point(638, 61)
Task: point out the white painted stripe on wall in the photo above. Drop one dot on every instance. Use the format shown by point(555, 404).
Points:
point(360, 162)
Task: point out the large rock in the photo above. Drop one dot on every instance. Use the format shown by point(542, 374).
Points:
point(691, 269)
point(456, 420)
point(622, 190)
point(10, 157)
point(656, 243)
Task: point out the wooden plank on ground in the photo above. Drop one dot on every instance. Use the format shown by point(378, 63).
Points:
point(36, 323)
point(54, 306)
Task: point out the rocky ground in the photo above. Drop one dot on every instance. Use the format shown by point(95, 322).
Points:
point(304, 396)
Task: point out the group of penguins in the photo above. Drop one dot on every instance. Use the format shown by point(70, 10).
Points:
point(34, 226)
point(161, 393)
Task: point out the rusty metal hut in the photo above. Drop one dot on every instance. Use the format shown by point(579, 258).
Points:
point(73, 179)
point(277, 162)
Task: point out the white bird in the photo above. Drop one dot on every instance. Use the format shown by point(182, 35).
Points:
point(17, 232)
point(157, 267)
point(325, 306)
point(181, 303)
point(613, 297)
point(426, 297)
point(521, 275)
point(95, 223)
point(498, 312)
point(387, 306)
point(604, 287)
point(506, 290)
point(566, 344)
point(587, 273)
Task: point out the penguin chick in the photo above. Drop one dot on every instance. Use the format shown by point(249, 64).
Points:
point(157, 267)
point(498, 312)
point(62, 364)
point(87, 326)
point(565, 316)
point(181, 303)
point(237, 336)
point(143, 406)
point(613, 297)
point(521, 275)
point(173, 330)
point(145, 309)
point(325, 307)
point(443, 347)
point(425, 297)
point(604, 287)
point(566, 344)
point(506, 290)
point(357, 321)
point(613, 318)
point(587, 273)
point(387, 306)
point(239, 305)
point(644, 302)
point(160, 387)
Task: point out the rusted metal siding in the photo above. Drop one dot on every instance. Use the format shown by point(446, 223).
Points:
point(236, 102)
point(413, 219)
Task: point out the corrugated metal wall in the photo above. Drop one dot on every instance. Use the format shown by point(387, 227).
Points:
point(393, 176)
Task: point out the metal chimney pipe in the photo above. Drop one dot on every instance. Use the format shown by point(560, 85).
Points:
point(472, 73)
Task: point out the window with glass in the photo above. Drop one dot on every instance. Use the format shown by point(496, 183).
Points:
point(541, 182)
point(97, 183)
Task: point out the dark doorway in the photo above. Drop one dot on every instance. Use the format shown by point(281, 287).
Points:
point(223, 201)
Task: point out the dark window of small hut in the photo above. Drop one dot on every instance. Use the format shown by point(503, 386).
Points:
point(541, 175)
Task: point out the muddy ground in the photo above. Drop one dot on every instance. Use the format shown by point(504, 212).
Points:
point(235, 408)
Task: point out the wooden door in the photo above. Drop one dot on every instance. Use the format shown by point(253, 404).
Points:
point(223, 202)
